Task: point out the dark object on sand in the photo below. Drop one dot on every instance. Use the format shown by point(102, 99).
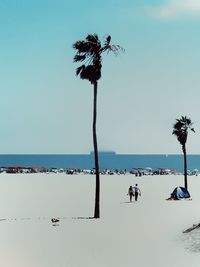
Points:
point(54, 220)
point(179, 193)
point(195, 226)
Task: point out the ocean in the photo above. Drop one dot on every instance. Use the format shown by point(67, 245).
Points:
point(107, 160)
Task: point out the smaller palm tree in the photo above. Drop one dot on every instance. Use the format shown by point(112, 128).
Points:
point(180, 130)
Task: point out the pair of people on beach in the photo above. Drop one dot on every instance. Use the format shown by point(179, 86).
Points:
point(134, 191)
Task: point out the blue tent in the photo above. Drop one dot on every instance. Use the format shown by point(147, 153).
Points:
point(180, 193)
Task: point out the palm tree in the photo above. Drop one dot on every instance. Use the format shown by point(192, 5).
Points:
point(180, 129)
point(90, 52)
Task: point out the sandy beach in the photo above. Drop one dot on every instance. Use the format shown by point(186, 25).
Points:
point(145, 234)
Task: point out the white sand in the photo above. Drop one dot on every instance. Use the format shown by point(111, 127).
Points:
point(144, 234)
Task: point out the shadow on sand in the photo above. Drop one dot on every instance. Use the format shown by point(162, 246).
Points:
point(48, 218)
point(84, 218)
point(129, 202)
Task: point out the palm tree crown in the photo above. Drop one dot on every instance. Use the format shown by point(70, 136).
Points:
point(89, 51)
point(181, 128)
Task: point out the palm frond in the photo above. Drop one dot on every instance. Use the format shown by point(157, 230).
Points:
point(107, 41)
point(81, 46)
point(79, 58)
point(93, 38)
point(94, 44)
point(181, 128)
point(175, 132)
point(91, 73)
point(80, 69)
point(109, 47)
point(178, 125)
point(117, 49)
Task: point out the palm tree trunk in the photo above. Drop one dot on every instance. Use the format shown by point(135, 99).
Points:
point(97, 191)
point(185, 166)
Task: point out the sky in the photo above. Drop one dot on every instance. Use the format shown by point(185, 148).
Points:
point(46, 109)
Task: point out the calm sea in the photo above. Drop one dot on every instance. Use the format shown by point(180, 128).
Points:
point(107, 161)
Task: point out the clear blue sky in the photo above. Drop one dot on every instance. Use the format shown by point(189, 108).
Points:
point(45, 108)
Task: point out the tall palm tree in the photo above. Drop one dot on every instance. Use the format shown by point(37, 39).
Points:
point(90, 52)
point(181, 129)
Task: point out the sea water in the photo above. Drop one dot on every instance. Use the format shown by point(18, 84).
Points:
point(107, 160)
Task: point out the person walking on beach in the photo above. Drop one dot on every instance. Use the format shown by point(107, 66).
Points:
point(130, 193)
point(136, 191)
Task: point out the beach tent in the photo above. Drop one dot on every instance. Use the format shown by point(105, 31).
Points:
point(180, 193)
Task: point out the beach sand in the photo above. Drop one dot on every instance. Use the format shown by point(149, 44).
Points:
point(144, 234)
